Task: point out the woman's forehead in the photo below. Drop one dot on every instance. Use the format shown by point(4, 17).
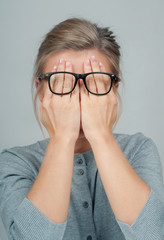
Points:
point(77, 58)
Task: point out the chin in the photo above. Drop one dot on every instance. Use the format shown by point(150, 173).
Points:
point(81, 133)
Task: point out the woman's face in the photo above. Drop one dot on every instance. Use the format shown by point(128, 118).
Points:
point(77, 59)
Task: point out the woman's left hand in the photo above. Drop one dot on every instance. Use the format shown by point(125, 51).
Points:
point(98, 113)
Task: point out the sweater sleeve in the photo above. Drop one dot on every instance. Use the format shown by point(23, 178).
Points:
point(21, 219)
point(149, 225)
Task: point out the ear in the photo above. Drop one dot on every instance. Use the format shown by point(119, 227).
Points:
point(115, 87)
point(117, 84)
point(37, 84)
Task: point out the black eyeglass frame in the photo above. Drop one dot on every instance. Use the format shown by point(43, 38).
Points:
point(77, 77)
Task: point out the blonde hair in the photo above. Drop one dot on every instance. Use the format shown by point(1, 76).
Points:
point(76, 34)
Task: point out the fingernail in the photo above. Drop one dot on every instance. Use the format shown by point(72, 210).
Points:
point(68, 64)
point(55, 68)
point(61, 61)
point(88, 63)
point(93, 58)
point(100, 64)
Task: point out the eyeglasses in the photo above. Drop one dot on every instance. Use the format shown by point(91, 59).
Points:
point(97, 83)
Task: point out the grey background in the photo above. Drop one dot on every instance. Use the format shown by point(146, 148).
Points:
point(139, 27)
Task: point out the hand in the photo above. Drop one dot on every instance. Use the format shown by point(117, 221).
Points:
point(98, 113)
point(61, 114)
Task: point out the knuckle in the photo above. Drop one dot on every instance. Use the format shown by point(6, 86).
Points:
point(44, 104)
point(114, 100)
point(107, 100)
point(51, 104)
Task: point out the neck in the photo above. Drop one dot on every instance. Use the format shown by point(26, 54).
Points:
point(82, 144)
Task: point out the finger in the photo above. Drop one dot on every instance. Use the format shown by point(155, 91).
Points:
point(52, 79)
point(69, 80)
point(75, 92)
point(59, 78)
point(106, 78)
point(90, 81)
point(98, 77)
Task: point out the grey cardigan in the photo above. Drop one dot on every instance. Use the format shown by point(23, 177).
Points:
point(90, 216)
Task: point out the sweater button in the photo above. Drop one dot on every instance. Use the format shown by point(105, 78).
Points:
point(80, 161)
point(81, 171)
point(85, 204)
point(89, 237)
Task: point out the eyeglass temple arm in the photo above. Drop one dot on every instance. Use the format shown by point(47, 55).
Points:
point(41, 77)
point(117, 79)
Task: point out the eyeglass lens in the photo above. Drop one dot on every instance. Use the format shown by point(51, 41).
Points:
point(64, 83)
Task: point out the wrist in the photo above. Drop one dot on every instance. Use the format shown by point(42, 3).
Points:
point(101, 138)
point(65, 140)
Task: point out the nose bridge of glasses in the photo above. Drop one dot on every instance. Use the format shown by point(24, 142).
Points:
point(80, 76)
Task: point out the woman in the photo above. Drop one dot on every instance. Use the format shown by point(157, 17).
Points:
point(84, 181)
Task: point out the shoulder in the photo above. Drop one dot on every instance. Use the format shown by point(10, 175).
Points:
point(133, 141)
point(122, 137)
point(135, 144)
point(28, 156)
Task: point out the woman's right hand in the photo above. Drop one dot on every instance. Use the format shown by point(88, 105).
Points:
point(60, 114)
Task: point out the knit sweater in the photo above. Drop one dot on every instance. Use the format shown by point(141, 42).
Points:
point(90, 216)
